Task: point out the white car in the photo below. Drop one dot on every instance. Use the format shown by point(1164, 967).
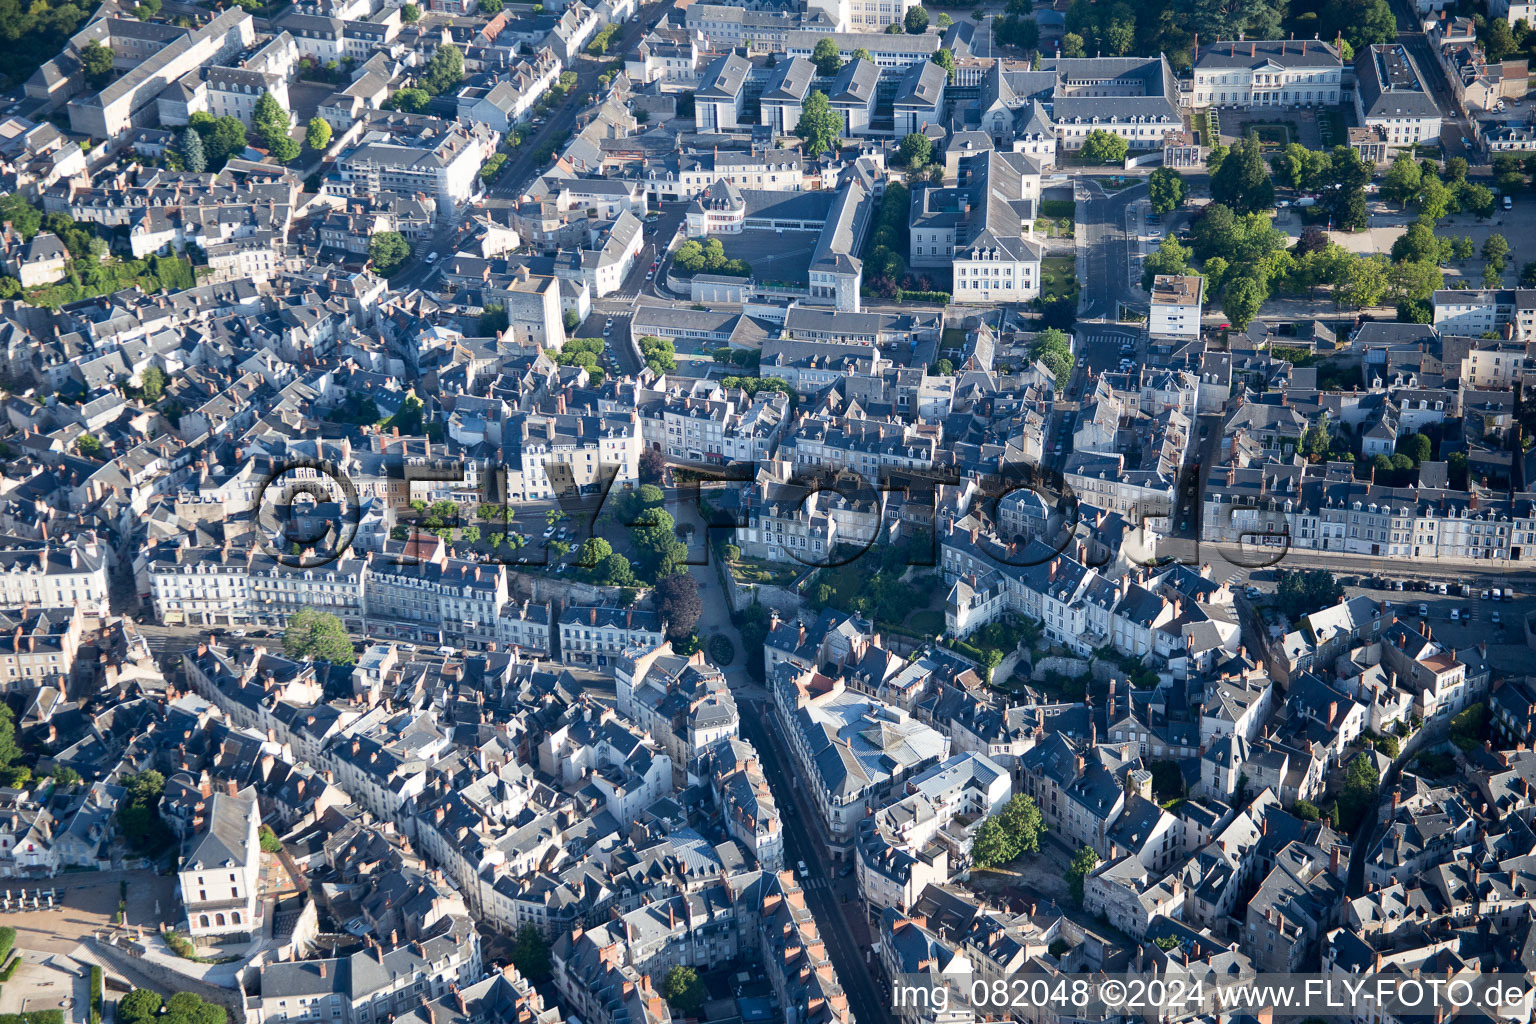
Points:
point(1455, 614)
point(445, 651)
point(431, 257)
point(608, 327)
point(804, 871)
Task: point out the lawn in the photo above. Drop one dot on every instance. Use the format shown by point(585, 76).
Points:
point(1272, 136)
point(1201, 126)
point(752, 570)
point(1058, 278)
point(1331, 124)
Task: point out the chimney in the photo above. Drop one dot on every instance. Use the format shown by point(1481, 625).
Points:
point(231, 788)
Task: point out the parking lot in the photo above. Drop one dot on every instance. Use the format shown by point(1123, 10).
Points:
point(1478, 619)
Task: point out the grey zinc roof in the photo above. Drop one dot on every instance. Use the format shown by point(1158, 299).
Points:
point(1286, 53)
point(855, 84)
point(790, 81)
point(922, 85)
point(224, 842)
point(1391, 84)
point(724, 78)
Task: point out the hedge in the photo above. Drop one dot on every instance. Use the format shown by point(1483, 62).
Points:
point(95, 994)
point(7, 942)
point(902, 295)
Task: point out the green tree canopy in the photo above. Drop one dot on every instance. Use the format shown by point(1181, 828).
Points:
point(319, 635)
point(1105, 147)
point(826, 56)
point(388, 251)
point(317, 134)
point(820, 126)
point(1167, 189)
point(682, 988)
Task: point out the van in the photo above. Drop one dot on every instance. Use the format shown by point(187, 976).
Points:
point(1509, 202)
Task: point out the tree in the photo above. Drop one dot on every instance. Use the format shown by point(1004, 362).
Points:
point(1496, 251)
point(88, 446)
point(1242, 300)
point(492, 320)
point(1367, 281)
point(1477, 199)
point(141, 1006)
point(593, 551)
point(444, 71)
point(317, 134)
point(990, 847)
point(1082, 865)
point(96, 61)
point(943, 21)
point(677, 599)
point(152, 381)
point(915, 148)
point(916, 21)
point(1022, 823)
point(1104, 147)
point(1072, 45)
point(410, 13)
point(615, 571)
point(1499, 40)
point(1416, 446)
point(269, 120)
point(26, 219)
point(189, 146)
point(1167, 189)
point(138, 811)
point(1417, 243)
point(1170, 257)
point(826, 56)
point(410, 100)
point(819, 126)
point(1242, 182)
point(1015, 30)
point(491, 6)
point(268, 839)
point(652, 466)
point(658, 354)
point(388, 251)
point(1414, 280)
point(284, 149)
point(1358, 794)
point(1403, 181)
point(1053, 348)
point(946, 60)
point(681, 988)
point(530, 954)
point(318, 635)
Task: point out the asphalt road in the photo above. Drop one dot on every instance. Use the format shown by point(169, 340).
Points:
point(1106, 250)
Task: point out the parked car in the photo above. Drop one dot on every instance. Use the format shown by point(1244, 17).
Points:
point(1444, 588)
point(1509, 201)
point(1455, 615)
point(1483, 596)
point(1497, 594)
point(1423, 610)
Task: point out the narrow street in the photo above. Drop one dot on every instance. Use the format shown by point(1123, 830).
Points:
point(833, 899)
